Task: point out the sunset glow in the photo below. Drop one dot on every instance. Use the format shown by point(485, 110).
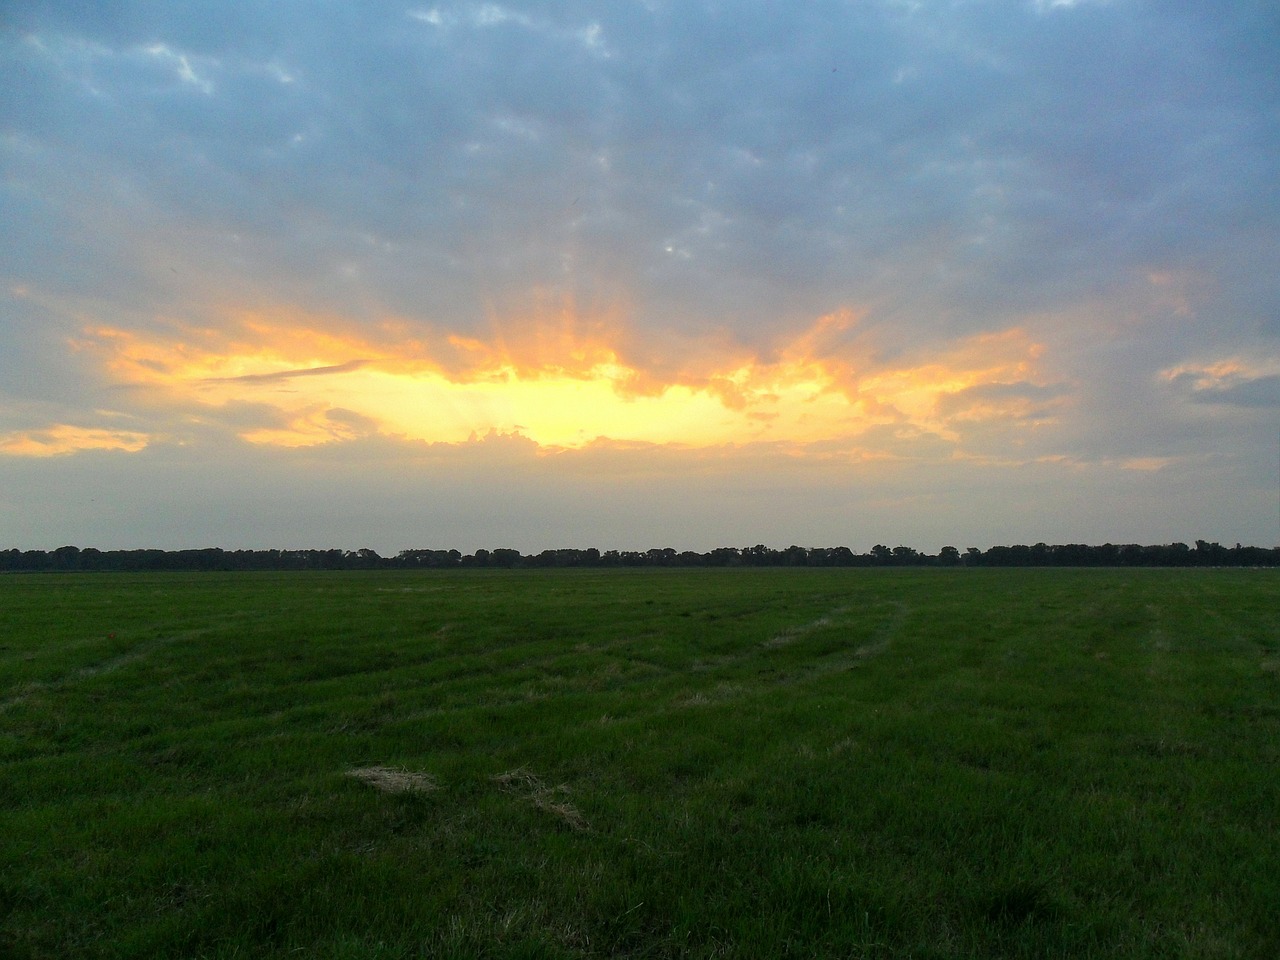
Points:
point(312, 386)
point(636, 273)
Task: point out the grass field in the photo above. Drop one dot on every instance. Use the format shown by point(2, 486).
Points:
point(741, 763)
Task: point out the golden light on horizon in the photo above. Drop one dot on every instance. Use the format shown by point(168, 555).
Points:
point(296, 381)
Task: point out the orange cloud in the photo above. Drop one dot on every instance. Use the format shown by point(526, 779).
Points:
point(564, 381)
point(67, 438)
point(1222, 374)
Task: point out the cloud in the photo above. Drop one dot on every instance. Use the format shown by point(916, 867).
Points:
point(501, 490)
point(1236, 382)
point(64, 438)
point(747, 170)
point(1259, 392)
point(560, 378)
point(1020, 400)
point(881, 232)
point(281, 375)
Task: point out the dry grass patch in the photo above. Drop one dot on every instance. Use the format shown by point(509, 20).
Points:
point(394, 779)
point(548, 799)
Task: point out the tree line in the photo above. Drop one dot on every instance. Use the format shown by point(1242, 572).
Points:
point(1202, 554)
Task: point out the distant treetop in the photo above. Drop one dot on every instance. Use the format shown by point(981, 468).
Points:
point(1203, 554)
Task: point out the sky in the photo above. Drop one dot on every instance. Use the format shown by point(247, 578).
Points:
point(639, 273)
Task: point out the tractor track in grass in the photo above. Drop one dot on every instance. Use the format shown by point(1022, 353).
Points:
point(723, 672)
point(89, 671)
point(840, 661)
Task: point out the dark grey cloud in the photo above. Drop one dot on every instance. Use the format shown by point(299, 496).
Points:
point(756, 161)
point(283, 375)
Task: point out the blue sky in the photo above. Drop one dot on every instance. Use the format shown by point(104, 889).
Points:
point(634, 274)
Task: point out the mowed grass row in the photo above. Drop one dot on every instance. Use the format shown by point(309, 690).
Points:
point(743, 763)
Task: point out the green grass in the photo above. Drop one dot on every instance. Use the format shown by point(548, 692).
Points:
point(742, 763)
